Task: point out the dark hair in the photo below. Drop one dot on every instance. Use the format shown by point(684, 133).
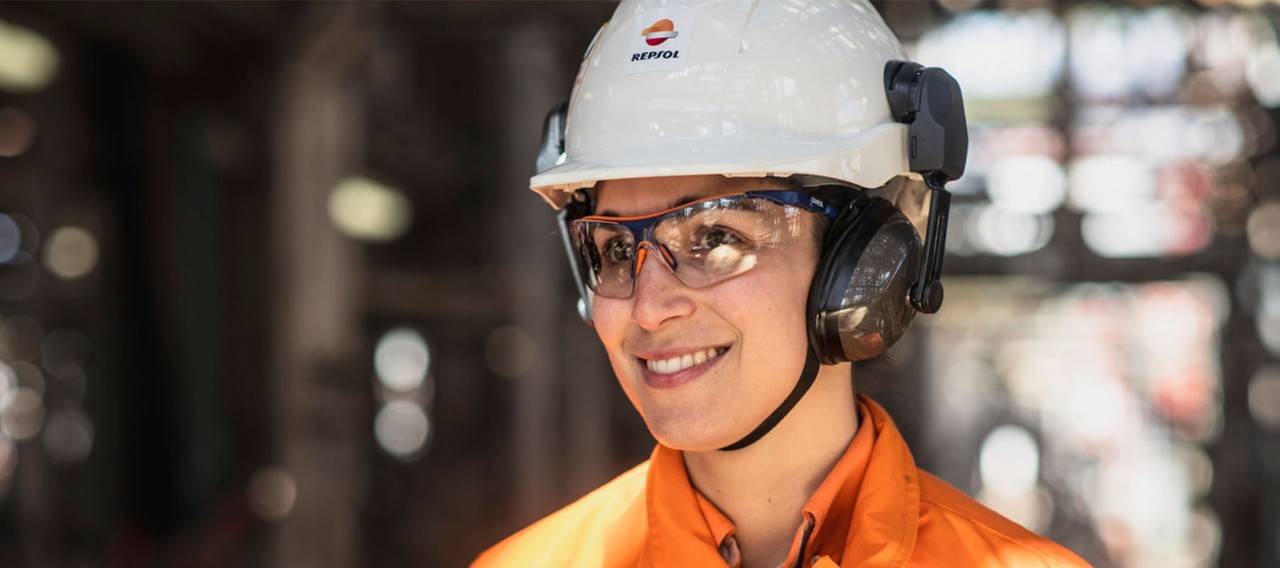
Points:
point(820, 226)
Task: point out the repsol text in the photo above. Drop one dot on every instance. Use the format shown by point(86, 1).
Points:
point(655, 55)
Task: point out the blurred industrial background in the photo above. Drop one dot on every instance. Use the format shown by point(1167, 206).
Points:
point(273, 291)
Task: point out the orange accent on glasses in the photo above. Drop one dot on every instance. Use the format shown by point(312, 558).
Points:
point(640, 256)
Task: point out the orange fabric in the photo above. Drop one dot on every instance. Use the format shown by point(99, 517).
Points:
point(875, 508)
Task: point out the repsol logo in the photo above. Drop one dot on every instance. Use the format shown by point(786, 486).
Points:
point(655, 55)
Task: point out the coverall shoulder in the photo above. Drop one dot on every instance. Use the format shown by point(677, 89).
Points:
point(875, 508)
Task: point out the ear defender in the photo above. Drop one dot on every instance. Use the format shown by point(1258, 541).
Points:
point(875, 273)
point(858, 303)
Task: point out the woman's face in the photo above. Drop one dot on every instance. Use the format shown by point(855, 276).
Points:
point(753, 323)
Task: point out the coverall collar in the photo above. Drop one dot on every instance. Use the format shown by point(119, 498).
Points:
point(866, 511)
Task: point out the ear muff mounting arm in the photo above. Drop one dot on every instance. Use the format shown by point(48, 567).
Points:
point(926, 292)
point(552, 149)
point(928, 99)
point(578, 206)
point(550, 154)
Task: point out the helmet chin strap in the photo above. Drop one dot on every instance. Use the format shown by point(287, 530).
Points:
point(807, 376)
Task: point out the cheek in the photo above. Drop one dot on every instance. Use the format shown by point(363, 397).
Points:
point(610, 319)
point(768, 310)
point(771, 298)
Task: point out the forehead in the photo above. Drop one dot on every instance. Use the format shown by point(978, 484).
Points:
point(645, 195)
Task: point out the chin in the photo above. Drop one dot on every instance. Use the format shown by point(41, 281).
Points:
point(690, 431)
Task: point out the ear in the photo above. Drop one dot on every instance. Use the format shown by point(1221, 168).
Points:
point(910, 195)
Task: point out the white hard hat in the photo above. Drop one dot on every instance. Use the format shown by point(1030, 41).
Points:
point(734, 87)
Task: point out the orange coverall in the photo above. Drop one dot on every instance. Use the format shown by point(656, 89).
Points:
point(875, 508)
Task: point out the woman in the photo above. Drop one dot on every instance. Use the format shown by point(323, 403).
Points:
point(733, 267)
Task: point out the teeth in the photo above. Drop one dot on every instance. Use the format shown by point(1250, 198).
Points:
point(677, 364)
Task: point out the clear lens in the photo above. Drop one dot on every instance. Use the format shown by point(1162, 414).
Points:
point(703, 243)
point(606, 251)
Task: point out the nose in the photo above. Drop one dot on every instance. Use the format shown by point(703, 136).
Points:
point(659, 296)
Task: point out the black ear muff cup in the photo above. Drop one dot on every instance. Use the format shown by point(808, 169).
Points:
point(859, 301)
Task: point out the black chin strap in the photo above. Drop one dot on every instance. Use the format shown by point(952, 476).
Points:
point(807, 376)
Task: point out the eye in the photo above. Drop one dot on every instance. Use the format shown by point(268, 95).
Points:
point(616, 250)
point(715, 236)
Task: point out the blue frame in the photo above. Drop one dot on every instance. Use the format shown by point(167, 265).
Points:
point(790, 197)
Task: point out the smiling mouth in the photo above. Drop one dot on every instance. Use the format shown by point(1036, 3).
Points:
point(680, 363)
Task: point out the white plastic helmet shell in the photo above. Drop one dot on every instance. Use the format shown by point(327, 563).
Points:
point(733, 87)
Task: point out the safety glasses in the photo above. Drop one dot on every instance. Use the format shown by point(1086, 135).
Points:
point(702, 243)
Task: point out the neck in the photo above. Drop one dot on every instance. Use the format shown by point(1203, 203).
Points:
point(763, 487)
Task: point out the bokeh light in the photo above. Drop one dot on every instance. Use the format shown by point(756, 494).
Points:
point(1027, 184)
point(402, 359)
point(1264, 398)
point(71, 390)
point(981, 48)
point(68, 437)
point(998, 231)
point(1117, 53)
point(1231, 36)
point(17, 130)
point(10, 238)
point(1267, 315)
point(71, 253)
point(1263, 230)
point(1172, 322)
point(1199, 469)
point(1033, 509)
point(959, 232)
point(8, 463)
point(27, 60)
point(1156, 46)
point(1107, 183)
point(29, 376)
point(272, 494)
point(21, 413)
point(1204, 538)
point(8, 378)
point(1109, 379)
point(366, 210)
point(1153, 230)
point(1152, 136)
point(1215, 135)
point(1097, 38)
point(402, 428)
point(1263, 75)
point(1009, 461)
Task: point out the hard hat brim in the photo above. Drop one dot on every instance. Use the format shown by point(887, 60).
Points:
point(868, 160)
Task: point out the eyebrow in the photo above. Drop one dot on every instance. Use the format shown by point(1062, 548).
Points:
point(675, 203)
